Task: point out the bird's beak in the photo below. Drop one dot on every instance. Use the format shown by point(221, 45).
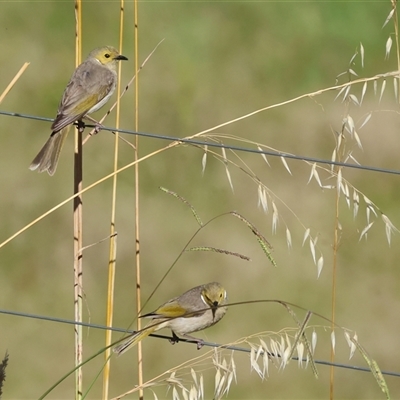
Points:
point(120, 57)
point(214, 308)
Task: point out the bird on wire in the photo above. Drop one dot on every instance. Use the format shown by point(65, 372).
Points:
point(194, 310)
point(89, 88)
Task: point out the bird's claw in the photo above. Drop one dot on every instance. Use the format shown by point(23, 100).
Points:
point(200, 344)
point(174, 339)
point(81, 126)
point(98, 127)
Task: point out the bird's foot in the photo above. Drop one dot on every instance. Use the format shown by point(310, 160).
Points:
point(200, 344)
point(174, 339)
point(81, 126)
point(97, 125)
point(97, 128)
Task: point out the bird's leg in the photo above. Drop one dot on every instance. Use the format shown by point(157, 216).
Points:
point(97, 127)
point(174, 339)
point(200, 342)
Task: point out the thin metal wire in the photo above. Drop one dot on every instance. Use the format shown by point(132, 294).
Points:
point(208, 344)
point(224, 146)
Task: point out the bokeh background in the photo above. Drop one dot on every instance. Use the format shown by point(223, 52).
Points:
point(218, 61)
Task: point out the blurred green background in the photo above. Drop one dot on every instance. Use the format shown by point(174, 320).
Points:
point(218, 61)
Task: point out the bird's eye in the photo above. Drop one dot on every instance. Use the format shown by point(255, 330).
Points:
point(107, 55)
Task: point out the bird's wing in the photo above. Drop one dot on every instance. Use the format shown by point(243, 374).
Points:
point(173, 309)
point(87, 87)
point(168, 310)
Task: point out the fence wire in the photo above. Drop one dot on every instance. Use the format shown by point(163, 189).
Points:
point(222, 146)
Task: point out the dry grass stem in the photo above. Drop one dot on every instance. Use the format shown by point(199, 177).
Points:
point(13, 81)
point(78, 224)
point(112, 259)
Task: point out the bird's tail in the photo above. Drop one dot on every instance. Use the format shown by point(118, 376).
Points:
point(134, 340)
point(47, 158)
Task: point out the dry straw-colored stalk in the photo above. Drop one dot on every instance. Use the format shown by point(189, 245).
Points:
point(137, 264)
point(13, 81)
point(78, 225)
point(112, 258)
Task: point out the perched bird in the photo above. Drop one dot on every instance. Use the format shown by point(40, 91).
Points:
point(193, 311)
point(89, 88)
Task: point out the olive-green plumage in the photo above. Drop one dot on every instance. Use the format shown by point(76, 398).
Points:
point(193, 311)
point(89, 88)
